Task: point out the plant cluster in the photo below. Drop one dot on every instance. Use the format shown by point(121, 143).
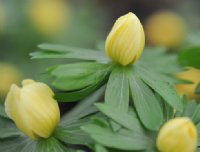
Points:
point(128, 100)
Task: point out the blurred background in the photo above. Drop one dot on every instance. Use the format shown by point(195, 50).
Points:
point(85, 23)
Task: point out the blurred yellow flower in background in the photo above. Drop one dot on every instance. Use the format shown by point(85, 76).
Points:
point(9, 75)
point(165, 28)
point(193, 75)
point(177, 135)
point(2, 18)
point(49, 17)
point(33, 109)
point(126, 40)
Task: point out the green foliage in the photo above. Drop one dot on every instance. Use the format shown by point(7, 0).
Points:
point(71, 133)
point(60, 51)
point(190, 56)
point(127, 120)
point(198, 89)
point(2, 112)
point(68, 132)
point(79, 79)
point(138, 100)
point(13, 144)
point(99, 148)
point(146, 104)
point(123, 139)
point(51, 144)
point(78, 75)
point(117, 90)
point(158, 60)
point(164, 88)
point(196, 114)
point(8, 128)
point(76, 95)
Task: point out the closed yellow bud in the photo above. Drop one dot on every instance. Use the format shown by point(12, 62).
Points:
point(33, 109)
point(126, 40)
point(165, 28)
point(49, 16)
point(9, 75)
point(177, 135)
point(193, 75)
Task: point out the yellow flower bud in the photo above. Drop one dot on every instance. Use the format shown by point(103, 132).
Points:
point(177, 135)
point(9, 75)
point(192, 75)
point(33, 109)
point(126, 40)
point(165, 28)
point(49, 16)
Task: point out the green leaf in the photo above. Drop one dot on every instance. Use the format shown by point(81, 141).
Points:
point(78, 75)
point(165, 89)
point(50, 145)
point(196, 115)
point(168, 111)
point(157, 58)
point(2, 112)
point(14, 144)
point(60, 51)
point(190, 57)
point(115, 126)
point(100, 120)
point(80, 94)
point(72, 135)
point(8, 128)
point(70, 132)
point(31, 146)
point(123, 118)
point(198, 89)
point(77, 95)
point(146, 104)
point(190, 108)
point(76, 69)
point(84, 107)
point(117, 91)
point(124, 140)
point(99, 148)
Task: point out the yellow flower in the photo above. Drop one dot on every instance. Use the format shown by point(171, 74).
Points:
point(49, 16)
point(165, 28)
point(192, 75)
point(126, 40)
point(177, 135)
point(9, 75)
point(33, 109)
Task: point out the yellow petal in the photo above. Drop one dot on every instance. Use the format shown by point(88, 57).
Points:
point(125, 42)
point(33, 109)
point(193, 75)
point(14, 111)
point(177, 135)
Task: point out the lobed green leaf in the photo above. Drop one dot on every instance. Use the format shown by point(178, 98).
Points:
point(61, 51)
point(146, 104)
point(117, 90)
point(123, 140)
point(165, 89)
